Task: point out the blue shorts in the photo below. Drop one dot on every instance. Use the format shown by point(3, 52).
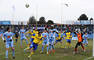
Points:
point(58, 40)
point(9, 44)
point(34, 46)
point(51, 42)
point(31, 40)
point(69, 40)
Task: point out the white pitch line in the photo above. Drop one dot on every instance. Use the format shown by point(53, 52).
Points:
point(88, 58)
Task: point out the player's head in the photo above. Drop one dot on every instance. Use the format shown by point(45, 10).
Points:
point(22, 27)
point(45, 31)
point(35, 29)
point(16, 31)
point(85, 33)
point(64, 31)
point(51, 31)
point(61, 30)
point(79, 31)
point(8, 29)
point(39, 34)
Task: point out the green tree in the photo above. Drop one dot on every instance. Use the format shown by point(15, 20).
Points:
point(32, 20)
point(83, 17)
point(50, 22)
point(42, 20)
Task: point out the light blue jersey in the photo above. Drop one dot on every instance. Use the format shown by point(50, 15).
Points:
point(51, 38)
point(46, 40)
point(85, 39)
point(45, 36)
point(9, 42)
point(22, 34)
point(8, 37)
point(55, 30)
point(1, 33)
point(56, 35)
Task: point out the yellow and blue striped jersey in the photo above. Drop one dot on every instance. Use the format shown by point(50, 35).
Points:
point(38, 40)
point(58, 37)
point(68, 35)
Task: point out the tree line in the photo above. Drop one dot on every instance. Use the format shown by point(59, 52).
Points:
point(84, 17)
point(42, 20)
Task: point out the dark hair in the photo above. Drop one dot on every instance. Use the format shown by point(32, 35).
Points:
point(54, 31)
point(45, 28)
point(39, 34)
point(8, 28)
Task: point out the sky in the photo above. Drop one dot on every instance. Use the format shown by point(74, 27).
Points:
point(15, 10)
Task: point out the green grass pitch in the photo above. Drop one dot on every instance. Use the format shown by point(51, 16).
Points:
point(60, 53)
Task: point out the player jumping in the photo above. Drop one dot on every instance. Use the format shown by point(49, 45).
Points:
point(51, 42)
point(85, 42)
point(80, 40)
point(45, 41)
point(68, 38)
point(22, 36)
point(7, 37)
point(34, 45)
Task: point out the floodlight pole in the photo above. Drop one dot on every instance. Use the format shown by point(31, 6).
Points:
point(36, 15)
point(13, 15)
point(61, 13)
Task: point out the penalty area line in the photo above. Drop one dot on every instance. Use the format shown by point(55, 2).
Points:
point(89, 58)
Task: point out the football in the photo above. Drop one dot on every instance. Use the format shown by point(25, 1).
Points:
point(27, 5)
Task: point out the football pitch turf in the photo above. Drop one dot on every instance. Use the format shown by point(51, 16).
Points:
point(60, 52)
